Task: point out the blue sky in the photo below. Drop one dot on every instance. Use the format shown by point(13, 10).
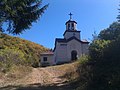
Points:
point(91, 15)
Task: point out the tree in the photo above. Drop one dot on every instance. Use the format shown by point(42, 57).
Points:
point(97, 47)
point(118, 17)
point(105, 53)
point(18, 15)
point(102, 71)
point(106, 68)
point(111, 33)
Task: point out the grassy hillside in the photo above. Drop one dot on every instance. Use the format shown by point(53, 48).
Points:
point(18, 51)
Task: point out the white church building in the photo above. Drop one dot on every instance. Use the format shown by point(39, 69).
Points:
point(68, 48)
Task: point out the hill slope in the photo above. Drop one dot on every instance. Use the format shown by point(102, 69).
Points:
point(28, 51)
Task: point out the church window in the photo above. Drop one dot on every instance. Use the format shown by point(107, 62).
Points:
point(44, 59)
point(68, 26)
point(72, 26)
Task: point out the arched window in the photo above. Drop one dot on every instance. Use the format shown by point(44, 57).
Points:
point(74, 55)
point(72, 26)
point(68, 26)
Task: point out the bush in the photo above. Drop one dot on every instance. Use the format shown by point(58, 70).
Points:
point(10, 57)
point(84, 59)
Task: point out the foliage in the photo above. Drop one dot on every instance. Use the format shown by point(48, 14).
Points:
point(17, 49)
point(111, 33)
point(84, 72)
point(8, 57)
point(96, 48)
point(18, 15)
point(84, 59)
point(102, 70)
point(106, 70)
point(118, 17)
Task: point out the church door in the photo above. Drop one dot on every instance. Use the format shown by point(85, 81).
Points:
point(73, 55)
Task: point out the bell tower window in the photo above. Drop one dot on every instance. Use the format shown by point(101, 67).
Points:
point(72, 26)
point(68, 26)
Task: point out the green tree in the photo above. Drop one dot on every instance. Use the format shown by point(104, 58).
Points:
point(106, 57)
point(18, 15)
point(118, 17)
point(96, 49)
point(106, 69)
point(111, 33)
point(104, 63)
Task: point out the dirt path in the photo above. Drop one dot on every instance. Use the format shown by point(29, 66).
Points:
point(49, 76)
point(44, 76)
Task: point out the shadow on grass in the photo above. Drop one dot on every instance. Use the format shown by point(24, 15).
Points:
point(71, 86)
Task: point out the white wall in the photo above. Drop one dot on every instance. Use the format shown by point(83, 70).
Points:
point(63, 53)
point(50, 59)
point(74, 45)
point(70, 34)
point(60, 53)
point(85, 49)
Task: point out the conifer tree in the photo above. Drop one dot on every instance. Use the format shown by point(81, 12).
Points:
point(18, 15)
point(118, 17)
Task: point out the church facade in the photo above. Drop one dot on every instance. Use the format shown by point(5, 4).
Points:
point(66, 49)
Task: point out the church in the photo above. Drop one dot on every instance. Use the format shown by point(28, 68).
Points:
point(68, 48)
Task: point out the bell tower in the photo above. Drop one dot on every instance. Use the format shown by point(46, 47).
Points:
point(71, 30)
point(71, 25)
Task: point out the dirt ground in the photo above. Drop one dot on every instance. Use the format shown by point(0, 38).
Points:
point(48, 78)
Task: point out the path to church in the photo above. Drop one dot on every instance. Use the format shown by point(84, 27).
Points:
point(41, 79)
point(44, 76)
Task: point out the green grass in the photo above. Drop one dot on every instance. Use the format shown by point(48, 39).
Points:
point(29, 51)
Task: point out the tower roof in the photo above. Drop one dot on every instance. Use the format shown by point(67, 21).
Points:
point(70, 20)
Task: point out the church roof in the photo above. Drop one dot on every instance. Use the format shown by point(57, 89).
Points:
point(84, 40)
point(70, 21)
point(71, 31)
point(47, 53)
point(77, 40)
point(62, 40)
point(67, 40)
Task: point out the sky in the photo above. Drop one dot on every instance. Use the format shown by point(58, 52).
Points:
point(90, 15)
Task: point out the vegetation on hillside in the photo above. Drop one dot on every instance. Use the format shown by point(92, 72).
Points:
point(16, 51)
point(102, 69)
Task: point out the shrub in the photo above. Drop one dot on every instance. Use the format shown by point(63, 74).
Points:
point(9, 57)
point(84, 59)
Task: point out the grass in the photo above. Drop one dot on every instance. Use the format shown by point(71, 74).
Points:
point(18, 72)
point(14, 75)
